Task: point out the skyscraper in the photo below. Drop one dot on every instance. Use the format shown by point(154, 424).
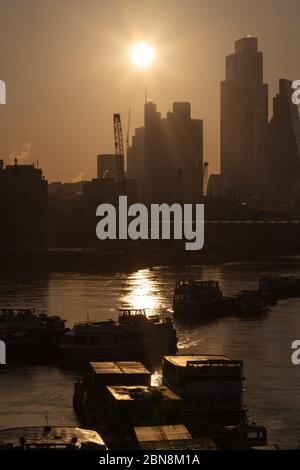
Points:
point(283, 156)
point(164, 148)
point(244, 118)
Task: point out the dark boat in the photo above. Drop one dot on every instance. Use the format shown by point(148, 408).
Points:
point(211, 387)
point(204, 299)
point(116, 396)
point(201, 297)
point(240, 437)
point(89, 391)
point(243, 437)
point(280, 286)
point(29, 334)
point(135, 334)
point(251, 302)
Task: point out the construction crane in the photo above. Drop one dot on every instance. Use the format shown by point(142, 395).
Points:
point(205, 178)
point(119, 152)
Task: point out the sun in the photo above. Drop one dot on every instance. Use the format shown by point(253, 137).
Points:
point(142, 54)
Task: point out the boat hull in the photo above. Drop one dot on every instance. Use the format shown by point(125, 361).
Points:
point(145, 349)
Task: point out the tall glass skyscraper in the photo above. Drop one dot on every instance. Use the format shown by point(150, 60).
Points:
point(244, 119)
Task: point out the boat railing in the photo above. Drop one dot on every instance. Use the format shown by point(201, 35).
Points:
point(15, 312)
point(132, 312)
point(193, 284)
point(215, 363)
point(88, 323)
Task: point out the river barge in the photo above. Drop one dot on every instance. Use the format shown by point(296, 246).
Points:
point(211, 387)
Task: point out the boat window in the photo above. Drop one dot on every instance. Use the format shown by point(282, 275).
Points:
point(95, 339)
point(68, 339)
point(80, 340)
point(107, 338)
point(252, 435)
point(119, 339)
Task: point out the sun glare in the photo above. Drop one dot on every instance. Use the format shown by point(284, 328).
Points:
point(142, 54)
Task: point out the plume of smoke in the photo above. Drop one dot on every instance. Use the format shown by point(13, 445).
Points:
point(21, 154)
point(77, 178)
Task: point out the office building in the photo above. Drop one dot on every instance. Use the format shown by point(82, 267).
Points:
point(165, 148)
point(244, 119)
point(23, 208)
point(283, 156)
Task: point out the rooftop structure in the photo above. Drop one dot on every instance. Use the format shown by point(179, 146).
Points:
point(175, 437)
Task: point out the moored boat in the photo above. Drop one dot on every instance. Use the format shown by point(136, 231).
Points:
point(89, 391)
point(211, 387)
point(29, 334)
point(280, 286)
point(135, 334)
point(201, 297)
point(202, 300)
point(50, 438)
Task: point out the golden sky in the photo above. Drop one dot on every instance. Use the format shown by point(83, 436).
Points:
point(67, 68)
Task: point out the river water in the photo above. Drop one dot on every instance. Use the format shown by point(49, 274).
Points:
point(27, 392)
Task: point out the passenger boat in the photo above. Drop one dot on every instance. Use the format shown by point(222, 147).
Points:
point(280, 286)
point(196, 296)
point(28, 333)
point(211, 387)
point(133, 335)
point(50, 438)
point(204, 299)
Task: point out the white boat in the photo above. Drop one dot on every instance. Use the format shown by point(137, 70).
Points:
point(135, 334)
point(50, 438)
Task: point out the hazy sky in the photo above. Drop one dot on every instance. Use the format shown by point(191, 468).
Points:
point(67, 69)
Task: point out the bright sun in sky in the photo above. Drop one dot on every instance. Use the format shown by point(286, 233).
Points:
point(142, 54)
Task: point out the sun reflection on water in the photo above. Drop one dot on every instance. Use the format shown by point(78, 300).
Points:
point(142, 291)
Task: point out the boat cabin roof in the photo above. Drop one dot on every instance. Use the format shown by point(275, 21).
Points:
point(139, 392)
point(162, 433)
point(17, 311)
point(197, 284)
point(132, 311)
point(50, 436)
point(202, 360)
point(123, 367)
point(170, 437)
